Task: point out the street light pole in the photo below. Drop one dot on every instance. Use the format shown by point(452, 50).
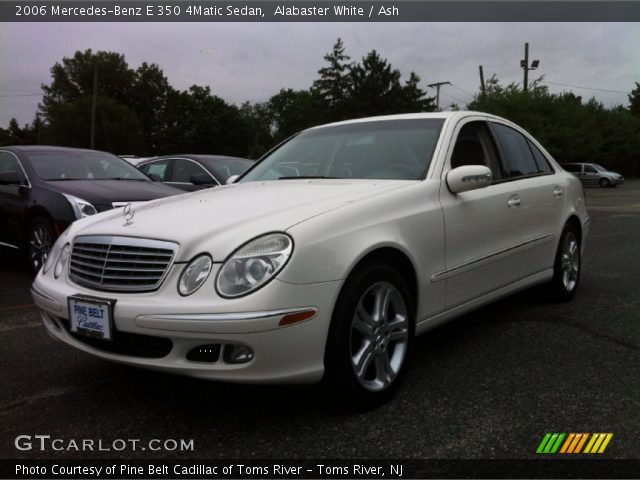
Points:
point(524, 63)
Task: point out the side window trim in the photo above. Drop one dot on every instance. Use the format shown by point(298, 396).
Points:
point(24, 172)
point(534, 149)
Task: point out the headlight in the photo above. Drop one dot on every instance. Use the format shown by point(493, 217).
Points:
point(62, 261)
point(194, 275)
point(81, 208)
point(253, 265)
point(52, 256)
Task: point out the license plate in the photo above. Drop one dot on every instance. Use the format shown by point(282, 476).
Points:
point(91, 317)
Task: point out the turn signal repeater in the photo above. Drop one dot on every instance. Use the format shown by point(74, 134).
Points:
point(297, 317)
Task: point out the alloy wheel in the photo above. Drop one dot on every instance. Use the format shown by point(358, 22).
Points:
point(40, 242)
point(379, 336)
point(570, 261)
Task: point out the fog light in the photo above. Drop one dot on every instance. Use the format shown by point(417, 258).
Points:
point(237, 353)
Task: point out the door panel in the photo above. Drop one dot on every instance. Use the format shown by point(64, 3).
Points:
point(483, 226)
point(14, 200)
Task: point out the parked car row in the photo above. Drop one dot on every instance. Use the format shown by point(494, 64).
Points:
point(325, 258)
point(44, 189)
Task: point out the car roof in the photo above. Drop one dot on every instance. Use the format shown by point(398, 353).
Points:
point(415, 116)
point(47, 148)
point(199, 156)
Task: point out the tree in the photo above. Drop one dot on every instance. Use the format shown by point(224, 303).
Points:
point(634, 100)
point(148, 98)
point(375, 89)
point(334, 83)
point(293, 110)
point(195, 121)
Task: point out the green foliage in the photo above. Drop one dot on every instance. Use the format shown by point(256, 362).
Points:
point(570, 129)
point(634, 100)
point(139, 112)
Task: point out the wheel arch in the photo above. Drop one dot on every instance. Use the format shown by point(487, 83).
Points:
point(574, 221)
point(33, 213)
point(393, 257)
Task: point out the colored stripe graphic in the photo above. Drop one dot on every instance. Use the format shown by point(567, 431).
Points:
point(550, 443)
point(574, 443)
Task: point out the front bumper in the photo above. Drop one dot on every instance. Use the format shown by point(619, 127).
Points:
point(282, 354)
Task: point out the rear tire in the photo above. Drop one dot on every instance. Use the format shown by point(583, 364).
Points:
point(567, 265)
point(40, 239)
point(370, 336)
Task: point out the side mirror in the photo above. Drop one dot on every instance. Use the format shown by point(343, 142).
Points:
point(232, 179)
point(10, 178)
point(201, 179)
point(468, 177)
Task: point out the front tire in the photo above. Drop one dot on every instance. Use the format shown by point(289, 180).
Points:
point(604, 183)
point(370, 337)
point(40, 238)
point(567, 265)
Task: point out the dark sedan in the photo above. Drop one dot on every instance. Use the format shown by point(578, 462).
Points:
point(44, 189)
point(193, 172)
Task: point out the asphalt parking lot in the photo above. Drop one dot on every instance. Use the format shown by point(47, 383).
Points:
point(488, 385)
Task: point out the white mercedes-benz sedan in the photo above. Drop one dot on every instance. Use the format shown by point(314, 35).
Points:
point(326, 258)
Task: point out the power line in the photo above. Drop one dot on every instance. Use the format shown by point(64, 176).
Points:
point(463, 90)
point(584, 88)
point(452, 97)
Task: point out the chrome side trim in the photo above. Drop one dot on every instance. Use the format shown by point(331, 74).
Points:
point(458, 269)
point(9, 245)
point(227, 317)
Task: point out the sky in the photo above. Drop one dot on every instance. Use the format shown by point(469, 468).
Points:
point(253, 61)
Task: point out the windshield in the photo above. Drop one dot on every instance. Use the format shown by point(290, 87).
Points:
point(82, 165)
point(223, 168)
point(385, 149)
point(599, 167)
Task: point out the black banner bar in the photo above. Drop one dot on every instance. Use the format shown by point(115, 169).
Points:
point(319, 11)
point(317, 469)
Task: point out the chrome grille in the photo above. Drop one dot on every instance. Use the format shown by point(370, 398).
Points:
point(120, 264)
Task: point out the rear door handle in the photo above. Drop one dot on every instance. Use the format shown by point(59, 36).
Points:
point(558, 191)
point(514, 201)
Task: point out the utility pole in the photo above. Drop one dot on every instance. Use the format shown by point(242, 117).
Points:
point(482, 88)
point(437, 86)
point(524, 64)
point(93, 106)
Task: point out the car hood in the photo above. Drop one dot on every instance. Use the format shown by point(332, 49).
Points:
point(219, 220)
point(104, 192)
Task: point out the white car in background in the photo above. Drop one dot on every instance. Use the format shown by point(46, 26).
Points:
point(326, 258)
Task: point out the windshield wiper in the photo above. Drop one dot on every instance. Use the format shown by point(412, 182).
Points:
point(304, 177)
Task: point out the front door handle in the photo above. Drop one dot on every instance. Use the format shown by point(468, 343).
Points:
point(558, 191)
point(514, 201)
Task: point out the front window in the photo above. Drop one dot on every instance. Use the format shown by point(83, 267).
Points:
point(385, 149)
point(600, 168)
point(82, 165)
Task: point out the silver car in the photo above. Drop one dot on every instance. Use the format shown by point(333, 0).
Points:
point(594, 174)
